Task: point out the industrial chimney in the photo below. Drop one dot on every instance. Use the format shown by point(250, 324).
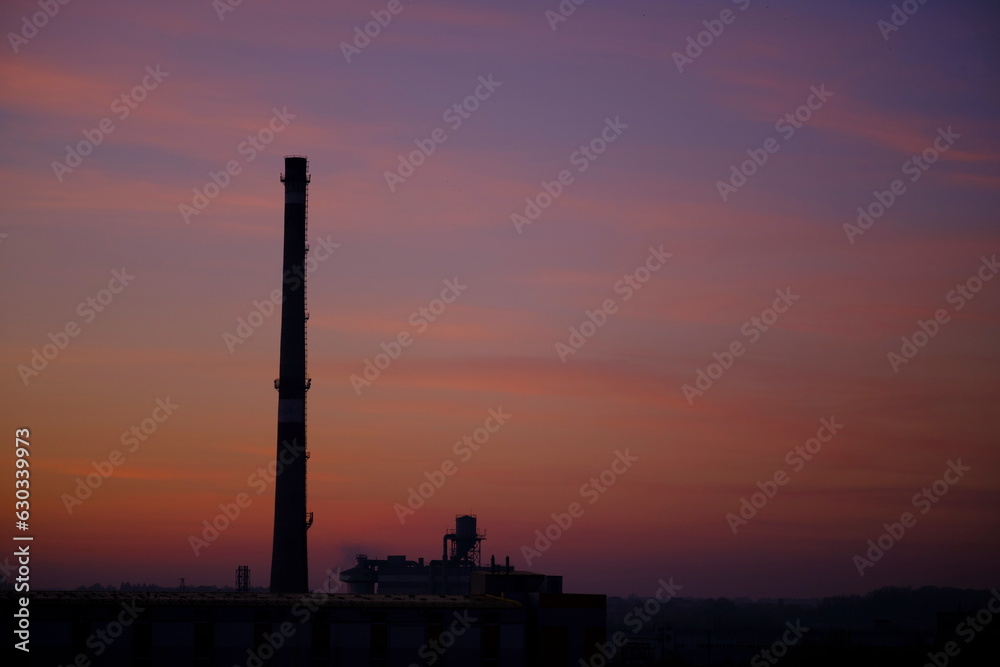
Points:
point(289, 558)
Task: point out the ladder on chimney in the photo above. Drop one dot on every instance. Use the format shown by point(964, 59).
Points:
point(305, 337)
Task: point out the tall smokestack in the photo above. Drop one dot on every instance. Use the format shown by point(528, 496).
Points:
point(289, 558)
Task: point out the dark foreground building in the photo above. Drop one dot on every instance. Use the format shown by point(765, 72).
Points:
point(559, 628)
point(255, 629)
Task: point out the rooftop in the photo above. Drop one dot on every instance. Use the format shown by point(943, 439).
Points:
point(320, 599)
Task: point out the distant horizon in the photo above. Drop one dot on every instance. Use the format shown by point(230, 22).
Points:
point(737, 599)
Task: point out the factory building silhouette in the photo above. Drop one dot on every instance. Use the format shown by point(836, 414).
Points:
point(452, 611)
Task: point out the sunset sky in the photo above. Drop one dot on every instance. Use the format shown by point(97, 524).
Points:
point(203, 85)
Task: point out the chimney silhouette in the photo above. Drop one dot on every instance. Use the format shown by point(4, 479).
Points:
point(289, 554)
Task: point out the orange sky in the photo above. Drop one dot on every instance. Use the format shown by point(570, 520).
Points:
point(64, 233)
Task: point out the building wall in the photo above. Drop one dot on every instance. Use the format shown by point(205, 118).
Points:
point(486, 634)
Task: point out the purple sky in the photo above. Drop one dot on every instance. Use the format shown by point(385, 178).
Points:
point(271, 79)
